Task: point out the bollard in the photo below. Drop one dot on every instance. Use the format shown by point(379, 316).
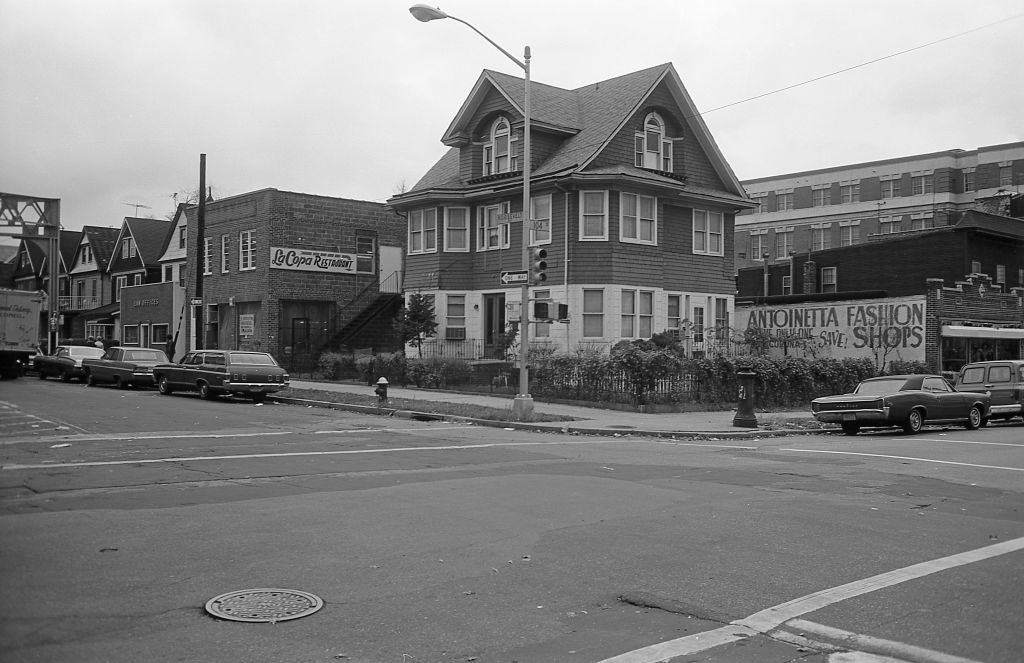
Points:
point(382, 391)
point(745, 417)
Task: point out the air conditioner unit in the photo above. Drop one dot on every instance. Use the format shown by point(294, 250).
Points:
point(455, 333)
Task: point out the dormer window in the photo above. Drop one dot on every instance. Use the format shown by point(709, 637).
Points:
point(498, 156)
point(653, 148)
point(86, 254)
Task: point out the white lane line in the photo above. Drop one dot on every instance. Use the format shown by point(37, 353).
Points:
point(770, 619)
point(873, 645)
point(991, 444)
point(923, 460)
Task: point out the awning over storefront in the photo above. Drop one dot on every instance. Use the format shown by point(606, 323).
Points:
point(962, 331)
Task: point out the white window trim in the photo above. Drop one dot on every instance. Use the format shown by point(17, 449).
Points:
point(707, 232)
point(654, 225)
point(488, 165)
point(504, 228)
point(422, 212)
point(602, 314)
point(533, 221)
point(467, 230)
point(225, 254)
point(207, 256)
point(593, 238)
point(251, 235)
point(665, 145)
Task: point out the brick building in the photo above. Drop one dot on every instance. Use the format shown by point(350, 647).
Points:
point(943, 296)
point(291, 274)
point(630, 197)
point(852, 204)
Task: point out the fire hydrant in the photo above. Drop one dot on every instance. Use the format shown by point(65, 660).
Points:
point(382, 391)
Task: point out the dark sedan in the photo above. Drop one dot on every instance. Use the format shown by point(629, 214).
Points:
point(65, 362)
point(907, 401)
point(219, 372)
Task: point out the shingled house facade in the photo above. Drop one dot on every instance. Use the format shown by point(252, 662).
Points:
point(630, 196)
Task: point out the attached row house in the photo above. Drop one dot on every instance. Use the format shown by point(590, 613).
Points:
point(630, 197)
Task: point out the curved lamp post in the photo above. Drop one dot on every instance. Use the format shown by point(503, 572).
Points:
point(522, 406)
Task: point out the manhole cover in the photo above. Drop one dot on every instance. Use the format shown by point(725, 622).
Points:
point(263, 605)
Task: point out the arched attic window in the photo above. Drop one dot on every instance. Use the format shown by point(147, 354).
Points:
point(498, 155)
point(653, 147)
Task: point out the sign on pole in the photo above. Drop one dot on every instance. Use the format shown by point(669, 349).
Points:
point(508, 278)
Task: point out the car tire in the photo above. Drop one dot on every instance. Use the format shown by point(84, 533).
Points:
point(850, 428)
point(974, 419)
point(914, 422)
point(206, 393)
point(120, 384)
point(259, 398)
point(164, 386)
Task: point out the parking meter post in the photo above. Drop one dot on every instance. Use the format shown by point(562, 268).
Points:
point(745, 417)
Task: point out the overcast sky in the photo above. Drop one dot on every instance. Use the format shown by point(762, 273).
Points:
point(108, 102)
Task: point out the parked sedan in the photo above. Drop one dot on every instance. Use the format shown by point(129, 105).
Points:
point(218, 372)
point(65, 362)
point(903, 400)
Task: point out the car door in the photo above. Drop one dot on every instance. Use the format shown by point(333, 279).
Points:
point(1000, 384)
point(946, 404)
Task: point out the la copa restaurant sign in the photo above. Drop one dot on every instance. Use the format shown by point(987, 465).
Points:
point(303, 260)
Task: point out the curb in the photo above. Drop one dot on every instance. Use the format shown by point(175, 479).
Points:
point(564, 428)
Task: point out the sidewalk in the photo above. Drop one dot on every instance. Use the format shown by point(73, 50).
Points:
point(596, 420)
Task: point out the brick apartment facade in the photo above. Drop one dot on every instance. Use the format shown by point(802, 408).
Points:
point(630, 197)
point(289, 273)
point(852, 204)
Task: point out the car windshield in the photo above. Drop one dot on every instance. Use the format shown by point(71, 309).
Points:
point(879, 387)
point(257, 358)
point(145, 355)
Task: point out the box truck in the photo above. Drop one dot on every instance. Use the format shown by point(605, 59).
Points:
point(19, 330)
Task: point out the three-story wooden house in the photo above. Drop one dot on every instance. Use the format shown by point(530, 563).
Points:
point(630, 196)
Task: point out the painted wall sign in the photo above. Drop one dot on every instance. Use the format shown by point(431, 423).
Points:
point(882, 329)
point(247, 324)
point(312, 261)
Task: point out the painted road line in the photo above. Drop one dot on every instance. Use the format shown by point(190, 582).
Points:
point(872, 645)
point(768, 620)
point(337, 452)
point(923, 460)
point(990, 444)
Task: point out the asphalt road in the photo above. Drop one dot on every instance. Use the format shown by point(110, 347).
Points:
point(123, 512)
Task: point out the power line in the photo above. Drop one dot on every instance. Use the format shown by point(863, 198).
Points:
point(863, 64)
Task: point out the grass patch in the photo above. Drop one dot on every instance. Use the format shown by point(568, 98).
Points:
point(417, 405)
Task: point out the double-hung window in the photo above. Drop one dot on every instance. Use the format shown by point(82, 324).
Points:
point(637, 314)
point(821, 195)
point(423, 231)
point(182, 233)
point(593, 313)
point(456, 229)
point(366, 253)
point(828, 279)
point(653, 148)
point(721, 318)
point(207, 257)
point(638, 221)
point(922, 220)
point(128, 248)
point(821, 237)
point(784, 200)
point(225, 254)
point(455, 314)
point(708, 232)
point(849, 233)
point(758, 244)
point(542, 330)
point(119, 283)
point(890, 187)
point(493, 228)
point(922, 184)
point(783, 242)
point(247, 250)
point(698, 324)
point(850, 192)
point(593, 215)
point(969, 180)
point(1005, 174)
point(498, 150)
point(675, 308)
point(887, 225)
point(540, 220)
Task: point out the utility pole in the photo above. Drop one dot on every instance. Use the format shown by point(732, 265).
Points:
point(200, 261)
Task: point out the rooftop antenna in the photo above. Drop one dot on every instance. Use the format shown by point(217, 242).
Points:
point(137, 206)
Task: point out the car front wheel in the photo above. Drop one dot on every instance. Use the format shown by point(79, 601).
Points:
point(974, 419)
point(914, 422)
point(164, 386)
point(206, 393)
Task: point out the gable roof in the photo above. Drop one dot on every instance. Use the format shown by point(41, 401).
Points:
point(149, 236)
point(102, 240)
point(589, 116)
point(69, 241)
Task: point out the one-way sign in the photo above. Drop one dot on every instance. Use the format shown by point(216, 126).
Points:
point(515, 277)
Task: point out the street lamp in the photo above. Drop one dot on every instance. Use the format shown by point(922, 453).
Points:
point(522, 406)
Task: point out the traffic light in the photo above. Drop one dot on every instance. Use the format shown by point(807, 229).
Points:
point(538, 265)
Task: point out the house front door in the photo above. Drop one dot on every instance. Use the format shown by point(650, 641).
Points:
point(494, 325)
